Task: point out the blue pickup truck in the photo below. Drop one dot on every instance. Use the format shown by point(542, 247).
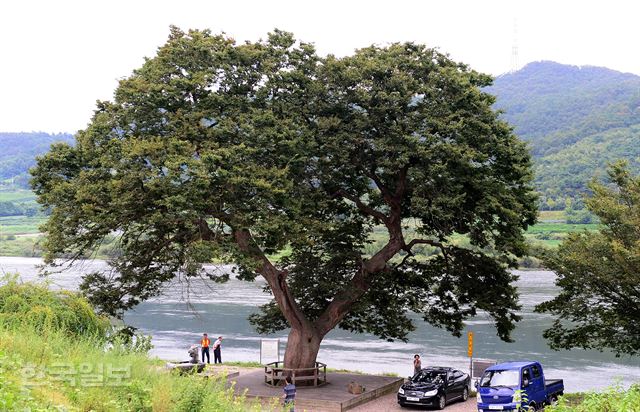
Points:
point(516, 386)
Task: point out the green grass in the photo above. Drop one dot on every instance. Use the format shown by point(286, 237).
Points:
point(31, 246)
point(614, 399)
point(550, 235)
point(334, 370)
point(53, 359)
point(561, 228)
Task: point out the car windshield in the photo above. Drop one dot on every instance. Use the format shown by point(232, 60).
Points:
point(430, 376)
point(500, 378)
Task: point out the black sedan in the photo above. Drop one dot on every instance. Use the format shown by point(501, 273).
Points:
point(435, 386)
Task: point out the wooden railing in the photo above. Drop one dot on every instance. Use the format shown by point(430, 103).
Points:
point(275, 372)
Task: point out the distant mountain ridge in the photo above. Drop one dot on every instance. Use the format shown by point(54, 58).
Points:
point(546, 100)
point(576, 120)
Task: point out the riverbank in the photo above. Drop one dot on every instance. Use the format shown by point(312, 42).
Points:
point(55, 353)
point(178, 318)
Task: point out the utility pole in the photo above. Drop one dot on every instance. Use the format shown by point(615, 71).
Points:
point(515, 64)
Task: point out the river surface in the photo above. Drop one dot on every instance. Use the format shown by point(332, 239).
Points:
point(179, 317)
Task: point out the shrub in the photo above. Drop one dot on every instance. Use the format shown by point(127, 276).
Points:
point(36, 306)
point(75, 340)
point(614, 399)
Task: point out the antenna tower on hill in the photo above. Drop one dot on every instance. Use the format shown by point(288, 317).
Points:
point(515, 64)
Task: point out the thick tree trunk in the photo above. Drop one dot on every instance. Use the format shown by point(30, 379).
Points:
point(304, 340)
point(303, 345)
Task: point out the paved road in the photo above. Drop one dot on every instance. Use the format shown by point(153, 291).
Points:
point(388, 403)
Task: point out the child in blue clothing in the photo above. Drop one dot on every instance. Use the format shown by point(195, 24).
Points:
point(289, 394)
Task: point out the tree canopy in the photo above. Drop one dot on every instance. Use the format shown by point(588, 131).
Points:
point(599, 273)
point(239, 152)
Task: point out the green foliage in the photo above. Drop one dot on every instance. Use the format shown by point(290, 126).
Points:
point(567, 172)
point(127, 339)
point(576, 120)
point(18, 203)
point(213, 150)
point(614, 399)
point(10, 209)
point(581, 217)
point(31, 357)
point(19, 151)
point(599, 273)
point(554, 105)
point(45, 310)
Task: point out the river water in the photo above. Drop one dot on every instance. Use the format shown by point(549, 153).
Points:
point(179, 317)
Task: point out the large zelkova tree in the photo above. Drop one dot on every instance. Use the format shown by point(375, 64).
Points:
point(217, 151)
point(598, 306)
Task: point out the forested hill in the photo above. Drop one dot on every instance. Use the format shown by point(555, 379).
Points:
point(576, 120)
point(18, 153)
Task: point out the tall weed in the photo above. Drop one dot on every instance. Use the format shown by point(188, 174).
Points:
point(614, 399)
point(56, 354)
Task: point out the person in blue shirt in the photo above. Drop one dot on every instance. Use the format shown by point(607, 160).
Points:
point(289, 394)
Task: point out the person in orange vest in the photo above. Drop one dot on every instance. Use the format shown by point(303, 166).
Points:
point(205, 342)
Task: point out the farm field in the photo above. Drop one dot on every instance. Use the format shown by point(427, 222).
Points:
point(18, 196)
point(20, 225)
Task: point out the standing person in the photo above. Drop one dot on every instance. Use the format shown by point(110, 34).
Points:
point(417, 364)
point(217, 356)
point(204, 343)
point(289, 394)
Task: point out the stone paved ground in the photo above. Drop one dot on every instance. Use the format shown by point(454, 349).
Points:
point(388, 403)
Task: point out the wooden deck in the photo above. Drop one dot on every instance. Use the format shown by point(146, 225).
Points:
point(332, 397)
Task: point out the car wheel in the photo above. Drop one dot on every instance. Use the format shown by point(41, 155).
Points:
point(442, 402)
point(465, 394)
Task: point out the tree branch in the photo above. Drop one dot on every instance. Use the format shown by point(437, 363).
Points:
point(414, 242)
point(362, 206)
point(371, 174)
point(401, 183)
point(357, 286)
point(274, 277)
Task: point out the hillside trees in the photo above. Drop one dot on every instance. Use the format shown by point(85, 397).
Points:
point(576, 120)
point(599, 273)
point(18, 152)
point(213, 150)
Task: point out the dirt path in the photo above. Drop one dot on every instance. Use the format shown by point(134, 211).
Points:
point(389, 403)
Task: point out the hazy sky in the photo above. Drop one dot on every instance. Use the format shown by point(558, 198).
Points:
point(58, 57)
